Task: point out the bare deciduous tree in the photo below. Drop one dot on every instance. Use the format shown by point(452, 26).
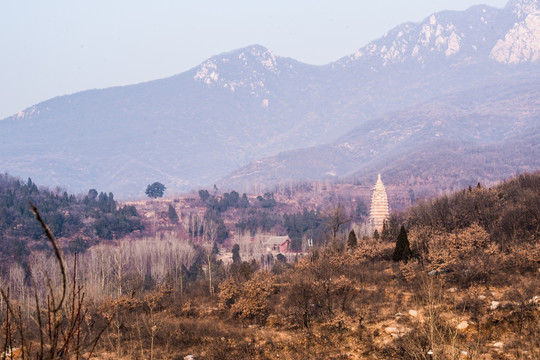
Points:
point(336, 218)
point(210, 235)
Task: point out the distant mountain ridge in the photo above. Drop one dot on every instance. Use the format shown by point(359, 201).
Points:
point(483, 134)
point(508, 36)
point(248, 104)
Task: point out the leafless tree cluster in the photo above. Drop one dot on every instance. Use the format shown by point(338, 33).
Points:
point(110, 270)
point(115, 270)
point(55, 306)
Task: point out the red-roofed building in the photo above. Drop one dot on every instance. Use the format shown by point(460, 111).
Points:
point(278, 244)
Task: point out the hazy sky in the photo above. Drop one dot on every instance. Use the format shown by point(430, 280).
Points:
point(58, 47)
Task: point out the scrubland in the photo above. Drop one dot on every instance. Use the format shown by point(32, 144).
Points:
point(469, 288)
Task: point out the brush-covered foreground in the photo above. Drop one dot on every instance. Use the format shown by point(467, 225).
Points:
point(469, 288)
point(338, 305)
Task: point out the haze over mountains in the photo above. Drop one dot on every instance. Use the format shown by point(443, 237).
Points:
point(454, 99)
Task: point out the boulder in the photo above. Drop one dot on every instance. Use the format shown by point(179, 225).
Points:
point(462, 325)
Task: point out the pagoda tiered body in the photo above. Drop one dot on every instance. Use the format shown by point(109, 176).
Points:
point(379, 206)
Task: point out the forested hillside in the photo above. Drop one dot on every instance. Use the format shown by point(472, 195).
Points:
point(509, 212)
point(83, 220)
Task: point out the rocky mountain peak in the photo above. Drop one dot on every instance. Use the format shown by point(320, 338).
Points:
point(522, 8)
point(248, 68)
point(522, 41)
point(467, 36)
point(441, 35)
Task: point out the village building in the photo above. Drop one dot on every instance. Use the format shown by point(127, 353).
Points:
point(277, 244)
point(260, 246)
point(379, 211)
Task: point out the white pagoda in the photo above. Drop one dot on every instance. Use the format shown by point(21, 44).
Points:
point(379, 206)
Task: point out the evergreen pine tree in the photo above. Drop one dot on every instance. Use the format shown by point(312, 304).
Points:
point(402, 250)
point(386, 234)
point(236, 254)
point(173, 216)
point(351, 240)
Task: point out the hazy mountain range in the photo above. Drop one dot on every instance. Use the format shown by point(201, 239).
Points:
point(452, 99)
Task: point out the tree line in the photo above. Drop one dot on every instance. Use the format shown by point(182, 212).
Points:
point(83, 219)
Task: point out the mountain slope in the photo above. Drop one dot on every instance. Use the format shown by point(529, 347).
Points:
point(163, 130)
point(192, 128)
point(482, 134)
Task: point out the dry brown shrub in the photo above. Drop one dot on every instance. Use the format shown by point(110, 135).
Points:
point(441, 250)
point(468, 240)
point(471, 271)
point(344, 291)
point(275, 321)
point(225, 349)
point(189, 309)
point(253, 298)
point(195, 334)
point(522, 257)
point(410, 270)
point(126, 304)
point(155, 300)
point(338, 324)
point(229, 291)
point(372, 251)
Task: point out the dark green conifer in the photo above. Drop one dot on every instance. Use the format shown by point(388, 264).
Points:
point(173, 216)
point(236, 254)
point(402, 250)
point(351, 240)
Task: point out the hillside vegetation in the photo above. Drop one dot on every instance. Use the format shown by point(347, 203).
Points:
point(469, 288)
point(82, 220)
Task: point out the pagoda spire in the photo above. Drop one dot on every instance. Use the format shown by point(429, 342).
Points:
point(379, 211)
